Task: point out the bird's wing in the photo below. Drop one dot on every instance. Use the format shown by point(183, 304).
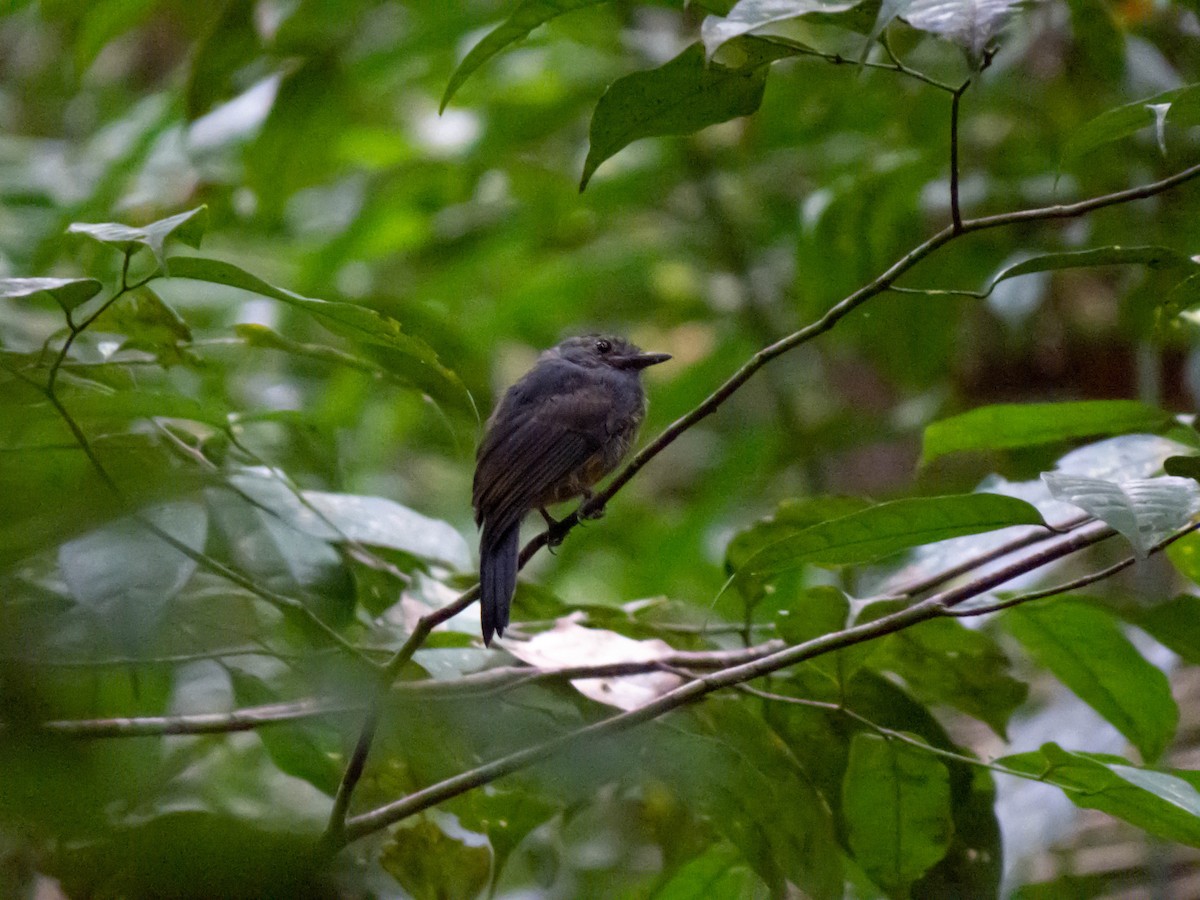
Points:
point(525, 455)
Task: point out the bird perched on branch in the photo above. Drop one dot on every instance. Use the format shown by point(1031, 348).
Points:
point(566, 424)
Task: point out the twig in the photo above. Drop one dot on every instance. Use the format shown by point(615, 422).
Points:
point(1073, 584)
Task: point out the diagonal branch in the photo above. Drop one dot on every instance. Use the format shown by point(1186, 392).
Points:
point(339, 829)
point(359, 826)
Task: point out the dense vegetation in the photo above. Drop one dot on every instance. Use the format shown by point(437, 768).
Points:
point(928, 273)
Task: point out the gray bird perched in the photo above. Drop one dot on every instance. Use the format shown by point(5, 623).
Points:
point(566, 424)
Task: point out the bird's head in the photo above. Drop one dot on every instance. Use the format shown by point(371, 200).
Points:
point(592, 350)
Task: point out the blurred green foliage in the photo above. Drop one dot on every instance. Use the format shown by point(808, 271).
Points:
point(257, 296)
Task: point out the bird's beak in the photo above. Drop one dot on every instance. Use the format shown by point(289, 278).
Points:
point(643, 360)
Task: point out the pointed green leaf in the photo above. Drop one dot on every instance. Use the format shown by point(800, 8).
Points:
point(1183, 110)
point(889, 528)
point(1162, 802)
point(1087, 651)
point(1175, 624)
point(528, 15)
point(896, 802)
point(1144, 510)
point(684, 95)
point(406, 357)
point(67, 292)
point(1008, 425)
point(126, 575)
point(303, 750)
point(1152, 257)
point(944, 662)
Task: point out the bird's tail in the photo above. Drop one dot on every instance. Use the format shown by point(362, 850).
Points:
point(497, 578)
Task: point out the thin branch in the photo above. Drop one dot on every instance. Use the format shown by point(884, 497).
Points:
point(955, 210)
point(1073, 584)
point(883, 731)
point(487, 683)
point(838, 60)
point(1036, 536)
point(248, 719)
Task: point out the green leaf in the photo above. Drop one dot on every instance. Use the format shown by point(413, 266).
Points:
point(406, 357)
point(896, 802)
point(1176, 623)
point(1150, 256)
point(730, 766)
point(1163, 802)
point(891, 527)
point(719, 872)
point(282, 557)
point(528, 15)
point(1185, 556)
point(93, 406)
point(790, 517)
point(816, 611)
point(303, 750)
point(126, 575)
point(1181, 300)
point(373, 521)
point(1008, 425)
point(188, 227)
point(1087, 651)
point(146, 320)
point(1184, 110)
point(943, 661)
point(229, 45)
point(67, 292)
point(680, 97)
point(749, 15)
point(261, 336)
point(433, 857)
point(1144, 510)
point(1183, 466)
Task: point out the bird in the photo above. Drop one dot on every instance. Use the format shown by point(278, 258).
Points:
point(563, 426)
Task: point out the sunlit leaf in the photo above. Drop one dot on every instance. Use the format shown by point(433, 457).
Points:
point(749, 15)
point(1144, 510)
point(188, 227)
point(1086, 650)
point(972, 24)
point(896, 802)
point(67, 292)
point(1008, 425)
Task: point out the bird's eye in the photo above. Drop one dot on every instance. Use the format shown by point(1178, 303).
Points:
point(603, 346)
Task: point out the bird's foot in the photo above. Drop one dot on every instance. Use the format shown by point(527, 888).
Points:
point(590, 514)
point(555, 532)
